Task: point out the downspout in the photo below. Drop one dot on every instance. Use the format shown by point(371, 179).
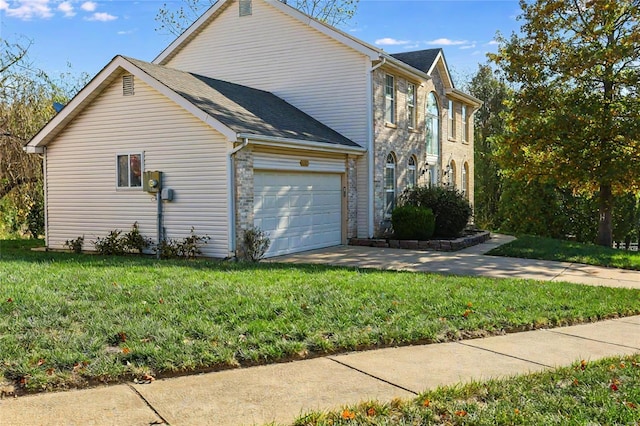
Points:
point(232, 196)
point(371, 147)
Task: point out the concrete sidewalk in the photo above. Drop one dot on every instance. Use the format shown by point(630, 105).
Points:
point(281, 392)
point(470, 261)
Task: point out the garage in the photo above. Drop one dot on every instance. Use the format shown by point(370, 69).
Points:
point(299, 211)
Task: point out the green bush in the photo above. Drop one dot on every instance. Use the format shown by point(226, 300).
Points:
point(413, 223)
point(187, 248)
point(451, 209)
point(256, 244)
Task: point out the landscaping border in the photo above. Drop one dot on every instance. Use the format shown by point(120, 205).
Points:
point(433, 244)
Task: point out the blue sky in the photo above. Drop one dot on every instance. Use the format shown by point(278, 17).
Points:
point(88, 34)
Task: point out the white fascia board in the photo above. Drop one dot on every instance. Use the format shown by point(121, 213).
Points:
point(372, 52)
point(464, 97)
point(391, 61)
point(440, 57)
point(300, 144)
point(70, 110)
point(93, 89)
point(189, 32)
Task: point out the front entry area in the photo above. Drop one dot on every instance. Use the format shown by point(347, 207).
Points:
point(299, 211)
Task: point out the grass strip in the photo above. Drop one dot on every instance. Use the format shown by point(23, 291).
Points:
point(529, 247)
point(604, 392)
point(71, 320)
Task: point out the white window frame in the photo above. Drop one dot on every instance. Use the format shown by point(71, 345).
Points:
point(432, 125)
point(452, 119)
point(411, 105)
point(465, 123)
point(128, 155)
point(411, 172)
point(390, 99)
point(390, 167)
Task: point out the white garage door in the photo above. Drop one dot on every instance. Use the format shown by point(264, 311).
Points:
point(299, 211)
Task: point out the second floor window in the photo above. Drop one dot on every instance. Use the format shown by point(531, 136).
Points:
point(452, 120)
point(432, 125)
point(465, 123)
point(390, 100)
point(411, 105)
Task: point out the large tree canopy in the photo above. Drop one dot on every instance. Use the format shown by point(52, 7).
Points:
point(576, 115)
point(332, 12)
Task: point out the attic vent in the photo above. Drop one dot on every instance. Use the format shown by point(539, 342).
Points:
point(245, 7)
point(127, 85)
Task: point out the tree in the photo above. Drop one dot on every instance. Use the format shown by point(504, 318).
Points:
point(26, 105)
point(332, 12)
point(576, 115)
point(491, 88)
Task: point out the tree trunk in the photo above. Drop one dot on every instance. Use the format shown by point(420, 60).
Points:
point(605, 225)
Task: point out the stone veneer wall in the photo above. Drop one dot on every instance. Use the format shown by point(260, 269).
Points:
point(243, 161)
point(404, 142)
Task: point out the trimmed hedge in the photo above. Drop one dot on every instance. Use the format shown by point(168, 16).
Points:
point(451, 209)
point(413, 223)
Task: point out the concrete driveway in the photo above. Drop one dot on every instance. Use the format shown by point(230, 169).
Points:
point(471, 261)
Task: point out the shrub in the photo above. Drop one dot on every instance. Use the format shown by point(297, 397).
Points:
point(188, 247)
point(110, 245)
point(413, 223)
point(75, 245)
point(134, 241)
point(450, 208)
point(256, 244)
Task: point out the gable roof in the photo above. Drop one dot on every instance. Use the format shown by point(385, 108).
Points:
point(423, 60)
point(235, 111)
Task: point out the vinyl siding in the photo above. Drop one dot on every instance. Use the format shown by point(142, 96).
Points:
point(81, 171)
point(272, 51)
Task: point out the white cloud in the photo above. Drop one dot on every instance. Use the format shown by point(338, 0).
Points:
point(66, 8)
point(126, 32)
point(27, 9)
point(387, 41)
point(102, 17)
point(493, 43)
point(89, 6)
point(469, 46)
point(447, 42)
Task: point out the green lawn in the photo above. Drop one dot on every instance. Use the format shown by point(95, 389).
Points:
point(529, 247)
point(605, 392)
point(71, 320)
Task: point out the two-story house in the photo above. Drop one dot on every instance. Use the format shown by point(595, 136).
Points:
point(256, 115)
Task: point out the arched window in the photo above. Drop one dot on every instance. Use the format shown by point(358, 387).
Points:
point(452, 175)
point(390, 185)
point(411, 172)
point(432, 124)
point(465, 180)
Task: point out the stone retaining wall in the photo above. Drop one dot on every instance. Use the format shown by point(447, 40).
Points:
point(437, 245)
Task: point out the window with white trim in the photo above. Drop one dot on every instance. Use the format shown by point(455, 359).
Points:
point(452, 121)
point(390, 185)
point(465, 124)
point(129, 170)
point(465, 180)
point(390, 99)
point(411, 105)
point(411, 172)
point(432, 124)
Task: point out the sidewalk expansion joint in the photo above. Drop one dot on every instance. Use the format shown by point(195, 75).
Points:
point(562, 272)
point(593, 340)
point(503, 354)
point(151, 407)
point(372, 376)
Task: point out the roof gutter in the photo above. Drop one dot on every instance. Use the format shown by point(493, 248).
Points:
point(405, 67)
point(299, 143)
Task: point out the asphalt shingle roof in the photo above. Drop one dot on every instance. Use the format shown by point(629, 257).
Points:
point(420, 59)
point(244, 109)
